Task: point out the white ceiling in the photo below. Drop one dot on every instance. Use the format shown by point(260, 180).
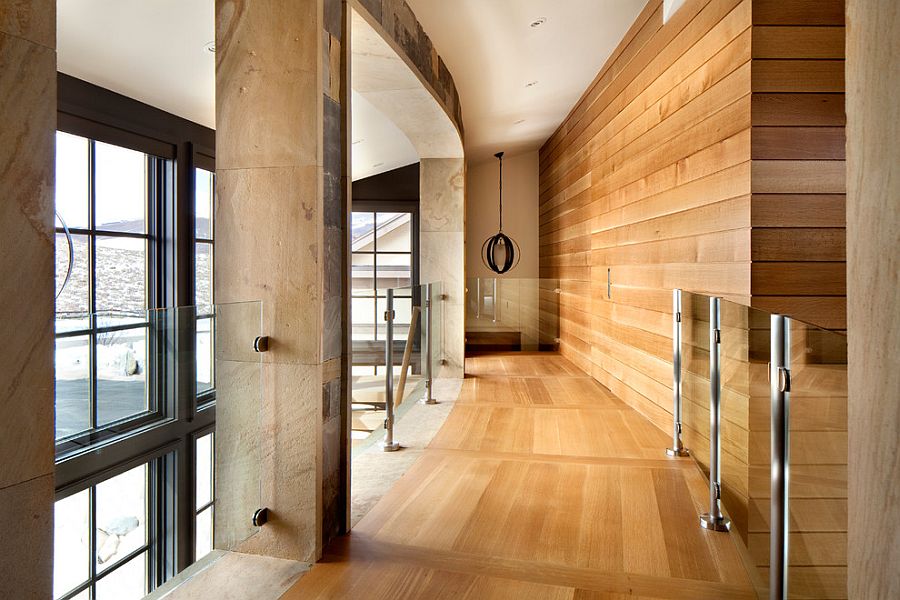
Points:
point(378, 144)
point(153, 51)
point(493, 52)
point(396, 116)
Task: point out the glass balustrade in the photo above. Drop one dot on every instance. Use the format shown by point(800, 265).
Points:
point(157, 438)
point(416, 358)
point(510, 314)
point(783, 493)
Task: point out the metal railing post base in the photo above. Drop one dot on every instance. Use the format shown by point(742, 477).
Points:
point(390, 447)
point(707, 521)
point(677, 452)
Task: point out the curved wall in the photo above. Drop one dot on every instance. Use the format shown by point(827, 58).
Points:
point(403, 31)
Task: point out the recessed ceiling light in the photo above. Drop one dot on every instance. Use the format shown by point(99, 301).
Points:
point(519, 122)
point(531, 84)
point(210, 47)
point(538, 22)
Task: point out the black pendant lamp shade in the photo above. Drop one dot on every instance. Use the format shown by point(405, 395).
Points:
point(500, 253)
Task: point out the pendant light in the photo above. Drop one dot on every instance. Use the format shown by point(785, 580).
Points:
point(500, 253)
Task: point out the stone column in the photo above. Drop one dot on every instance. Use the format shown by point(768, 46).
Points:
point(28, 116)
point(442, 240)
point(280, 238)
point(873, 296)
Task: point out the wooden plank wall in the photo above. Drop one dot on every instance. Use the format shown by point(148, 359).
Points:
point(649, 180)
point(708, 155)
point(799, 173)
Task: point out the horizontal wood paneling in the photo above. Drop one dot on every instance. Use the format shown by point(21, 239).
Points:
point(798, 248)
point(649, 180)
point(708, 155)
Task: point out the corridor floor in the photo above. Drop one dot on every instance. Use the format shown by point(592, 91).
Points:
point(541, 484)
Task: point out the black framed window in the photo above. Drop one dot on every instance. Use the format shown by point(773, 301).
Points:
point(135, 401)
point(104, 224)
point(204, 247)
point(384, 255)
point(205, 495)
point(103, 537)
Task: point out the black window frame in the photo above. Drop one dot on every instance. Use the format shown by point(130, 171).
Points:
point(370, 353)
point(165, 437)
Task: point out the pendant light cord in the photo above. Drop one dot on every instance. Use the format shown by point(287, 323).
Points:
point(499, 155)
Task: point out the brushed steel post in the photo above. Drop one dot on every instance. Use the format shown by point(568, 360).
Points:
point(478, 299)
point(429, 372)
point(389, 444)
point(714, 519)
point(779, 389)
point(494, 301)
point(677, 448)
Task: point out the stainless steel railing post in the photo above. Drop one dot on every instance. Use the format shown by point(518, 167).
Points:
point(780, 396)
point(677, 448)
point(714, 519)
point(429, 374)
point(494, 301)
point(479, 301)
point(389, 444)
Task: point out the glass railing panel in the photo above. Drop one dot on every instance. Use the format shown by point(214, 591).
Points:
point(159, 385)
point(744, 349)
point(437, 328)
point(412, 312)
point(817, 558)
point(238, 440)
point(512, 314)
point(695, 376)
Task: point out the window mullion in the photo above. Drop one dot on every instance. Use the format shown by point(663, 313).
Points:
point(92, 285)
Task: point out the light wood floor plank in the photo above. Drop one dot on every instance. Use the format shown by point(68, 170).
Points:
point(541, 484)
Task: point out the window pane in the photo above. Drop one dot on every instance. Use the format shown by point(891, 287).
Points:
point(203, 284)
point(121, 517)
point(72, 179)
point(204, 184)
point(203, 461)
point(121, 374)
point(73, 389)
point(73, 303)
point(363, 223)
point(394, 270)
point(71, 543)
point(204, 355)
point(204, 533)
point(393, 232)
point(128, 582)
point(363, 318)
point(121, 278)
point(402, 316)
point(363, 274)
point(121, 189)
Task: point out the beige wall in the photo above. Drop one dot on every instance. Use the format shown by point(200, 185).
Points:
point(520, 212)
point(442, 240)
point(873, 295)
point(27, 124)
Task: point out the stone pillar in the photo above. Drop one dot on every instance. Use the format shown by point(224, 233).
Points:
point(873, 296)
point(281, 238)
point(442, 240)
point(28, 116)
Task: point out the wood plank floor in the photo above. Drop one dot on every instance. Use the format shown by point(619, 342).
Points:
point(541, 484)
